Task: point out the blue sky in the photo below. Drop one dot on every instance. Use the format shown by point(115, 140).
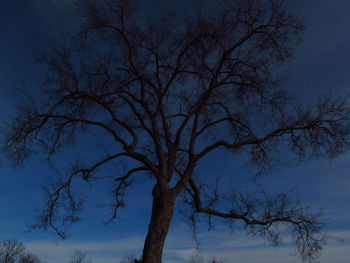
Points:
point(321, 65)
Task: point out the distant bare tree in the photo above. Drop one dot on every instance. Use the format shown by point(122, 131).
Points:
point(130, 259)
point(164, 95)
point(29, 258)
point(11, 251)
point(79, 256)
point(214, 260)
point(196, 258)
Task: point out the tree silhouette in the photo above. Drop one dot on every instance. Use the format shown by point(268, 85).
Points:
point(78, 256)
point(130, 259)
point(13, 251)
point(29, 258)
point(164, 95)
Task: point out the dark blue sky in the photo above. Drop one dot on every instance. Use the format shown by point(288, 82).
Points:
point(321, 65)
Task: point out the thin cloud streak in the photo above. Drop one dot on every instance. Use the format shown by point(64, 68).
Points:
point(180, 248)
point(97, 251)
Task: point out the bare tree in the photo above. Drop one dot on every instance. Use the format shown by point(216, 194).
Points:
point(130, 259)
point(165, 95)
point(196, 258)
point(11, 251)
point(29, 258)
point(78, 257)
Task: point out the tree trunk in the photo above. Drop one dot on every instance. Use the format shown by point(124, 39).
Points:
point(162, 213)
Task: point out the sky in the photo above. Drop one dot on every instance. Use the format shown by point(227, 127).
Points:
point(321, 65)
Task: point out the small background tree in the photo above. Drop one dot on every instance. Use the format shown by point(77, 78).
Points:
point(13, 251)
point(130, 259)
point(29, 258)
point(196, 258)
point(79, 256)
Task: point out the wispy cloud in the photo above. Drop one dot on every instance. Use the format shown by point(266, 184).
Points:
point(107, 251)
point(179, 248)
point(242, 248)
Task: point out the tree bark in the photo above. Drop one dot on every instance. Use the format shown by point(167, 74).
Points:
point(162, 214)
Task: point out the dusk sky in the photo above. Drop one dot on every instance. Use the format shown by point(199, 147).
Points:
point(321, 65)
